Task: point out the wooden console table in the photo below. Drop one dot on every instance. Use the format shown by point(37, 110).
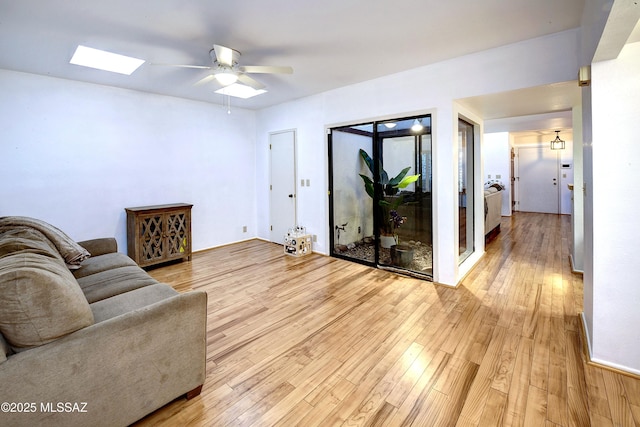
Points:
point(157, 234)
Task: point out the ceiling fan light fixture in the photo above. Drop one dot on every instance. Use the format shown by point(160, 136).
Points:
point(226, 77)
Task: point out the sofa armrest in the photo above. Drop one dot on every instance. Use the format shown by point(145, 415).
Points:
point(105, 245)
point(117, 371)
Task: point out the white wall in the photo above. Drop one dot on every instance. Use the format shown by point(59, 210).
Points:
point(612, 196)
point(76, 154)
point(304, 116)
point(430, 89)
point(577, 213)
point(496, 155)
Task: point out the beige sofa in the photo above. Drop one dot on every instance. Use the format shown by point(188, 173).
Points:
point(492, 210)
point(89, 340)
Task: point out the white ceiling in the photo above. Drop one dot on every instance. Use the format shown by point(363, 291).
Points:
point(329, 43)
point(533, 111)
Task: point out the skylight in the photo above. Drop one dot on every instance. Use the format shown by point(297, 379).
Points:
point(103, 60)
point(240, 91)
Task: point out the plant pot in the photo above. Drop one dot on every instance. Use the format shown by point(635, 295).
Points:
point(387, 241)
point(401, 255)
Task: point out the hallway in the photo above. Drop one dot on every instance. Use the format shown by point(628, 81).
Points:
point(528, 267)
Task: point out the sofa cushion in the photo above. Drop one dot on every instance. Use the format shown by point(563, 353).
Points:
point(102, 263)
point(100, 246)
point(5, 349)
point(27, 240)
point(41, 301)
point(129, 301)
point(106, 284)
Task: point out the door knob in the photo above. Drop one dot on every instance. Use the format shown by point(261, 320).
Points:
point(291, 196)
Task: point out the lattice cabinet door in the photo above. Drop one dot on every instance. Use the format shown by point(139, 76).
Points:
point(151, 237)
point(178, 236)
point(157, 234)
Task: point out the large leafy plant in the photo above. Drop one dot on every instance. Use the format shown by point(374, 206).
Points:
point(389, 187)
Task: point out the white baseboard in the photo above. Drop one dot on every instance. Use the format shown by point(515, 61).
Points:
point(624, 370)
point(585, 335)
point(573, 266)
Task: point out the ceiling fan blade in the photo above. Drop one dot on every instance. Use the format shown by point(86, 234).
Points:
point(204, 80)
point(244, 79)
point(185, 66)
point(266, 69)
point(225, 55)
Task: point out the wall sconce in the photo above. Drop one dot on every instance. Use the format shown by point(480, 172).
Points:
point(557, 144)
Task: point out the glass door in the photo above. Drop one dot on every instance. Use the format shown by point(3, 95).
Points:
point(380, 186)
point(465, 190)
point(351, 219)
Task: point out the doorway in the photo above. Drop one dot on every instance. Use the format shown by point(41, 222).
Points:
point(538, 179)
point(380, 194)
point(282, 206)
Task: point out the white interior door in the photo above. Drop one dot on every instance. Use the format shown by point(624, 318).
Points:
point(538, 183)
point(283, 184)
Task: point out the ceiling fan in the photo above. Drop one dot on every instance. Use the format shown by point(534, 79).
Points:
point(226, 71)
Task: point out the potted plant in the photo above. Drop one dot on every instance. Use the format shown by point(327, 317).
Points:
point(390, 200)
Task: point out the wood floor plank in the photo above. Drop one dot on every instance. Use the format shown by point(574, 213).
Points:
point(632, 389)
point(375, 401)
point(600, 421)
point(597, 395)
point(519, 388)
point(431, 413)
point(320, 341)
point(493, 413)
point(456, 388)
point(504, 372)
point(557, 398)
point(416, 401)
point(406, 383)
point(490, 369)
point(536, 410)
point(578, 405)
point(635, 411)
point(540, 360)
point(288, 418)
point(621, 414)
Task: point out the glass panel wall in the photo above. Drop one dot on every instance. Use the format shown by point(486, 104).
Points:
point(465, 189)
point(351, 216)
point(380, 186)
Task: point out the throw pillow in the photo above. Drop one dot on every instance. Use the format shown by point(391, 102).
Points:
point(41, 301)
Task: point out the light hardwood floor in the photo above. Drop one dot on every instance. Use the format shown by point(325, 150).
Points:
point(318, 341)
